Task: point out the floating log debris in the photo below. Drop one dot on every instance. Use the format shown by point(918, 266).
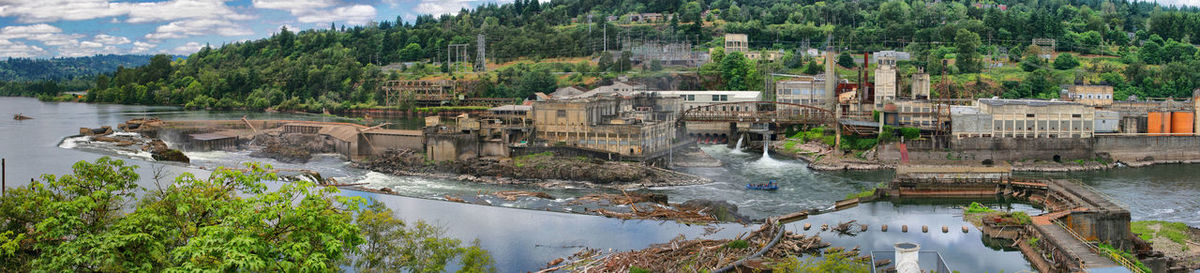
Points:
point(513, 195)
point(697, 253)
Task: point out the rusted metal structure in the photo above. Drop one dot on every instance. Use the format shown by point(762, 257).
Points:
point(426, 92)
point(765, 112)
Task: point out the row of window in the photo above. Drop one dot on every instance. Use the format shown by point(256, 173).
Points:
point(714, 97)
point(1093, 96)
point(801, 91)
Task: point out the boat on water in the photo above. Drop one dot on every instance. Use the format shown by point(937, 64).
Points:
point(21, 117)
point(769, 186)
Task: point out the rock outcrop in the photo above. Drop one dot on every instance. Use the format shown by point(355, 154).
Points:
point(292, 147)
point(547, 169)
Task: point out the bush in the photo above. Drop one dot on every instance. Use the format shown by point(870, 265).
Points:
point(737, 244)
point(976, 207)
point(910, 133)
point(635, 269)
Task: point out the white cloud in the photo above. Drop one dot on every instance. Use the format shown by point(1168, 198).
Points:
point(318, 11)
point(110, 40)
point(141, 47)
point(442, 7)
point(293, 5)
point(19, 50)
point(188, 48)
point(186, 28)
point(47, 34)
point(37, 11)
point(55, 10)
point(182, 9)
point(356, 14)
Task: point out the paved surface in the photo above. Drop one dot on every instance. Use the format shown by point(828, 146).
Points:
point(1060, 237)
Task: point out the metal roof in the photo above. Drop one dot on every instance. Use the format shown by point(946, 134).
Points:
point(1029, 102)
point(209, 136)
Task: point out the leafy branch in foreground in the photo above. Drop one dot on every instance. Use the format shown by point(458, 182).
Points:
point(92, 221)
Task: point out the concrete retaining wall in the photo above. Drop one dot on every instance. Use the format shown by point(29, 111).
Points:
point(1123, 148)
point(451, 147)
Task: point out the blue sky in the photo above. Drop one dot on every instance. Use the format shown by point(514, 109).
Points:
point(67, 28)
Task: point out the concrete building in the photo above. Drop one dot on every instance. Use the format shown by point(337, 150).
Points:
point(919, 113)
point(1090, 95)
point(765, 55)
point(1107, 121)
point(885, 81)
point(736, 43)
point(597, 123)
point(1024, 118)
point(920, 85)
point(892, 54)
point(803, 90)
point(700, 99)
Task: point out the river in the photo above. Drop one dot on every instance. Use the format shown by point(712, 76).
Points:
point(525, 239)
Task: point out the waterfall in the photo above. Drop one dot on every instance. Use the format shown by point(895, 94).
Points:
point(739, 144)
point(766, 145)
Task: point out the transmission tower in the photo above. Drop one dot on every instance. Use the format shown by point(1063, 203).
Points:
point(480, 52)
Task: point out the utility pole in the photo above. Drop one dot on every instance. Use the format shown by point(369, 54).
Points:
point(3, 176)
point(831, 92)
point(481, 52)
point(606, 37)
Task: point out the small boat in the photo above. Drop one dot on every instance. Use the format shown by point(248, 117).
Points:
point(21, 117)
point(769, 186)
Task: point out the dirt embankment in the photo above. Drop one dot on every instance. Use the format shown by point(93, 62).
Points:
point(546, 170)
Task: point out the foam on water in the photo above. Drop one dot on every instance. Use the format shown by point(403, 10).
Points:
point(72, 142)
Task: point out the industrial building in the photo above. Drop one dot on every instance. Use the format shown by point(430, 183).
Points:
point(598, 123)
point(802, 90)
point(1090, 95)
point(885, 81)
point(1023, 118)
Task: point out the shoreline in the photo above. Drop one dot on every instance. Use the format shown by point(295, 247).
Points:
point(824, 160)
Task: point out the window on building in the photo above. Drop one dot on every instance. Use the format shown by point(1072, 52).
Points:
point(1029, 115)
point(1076, 115)
point(716, 97)
point(561, 113)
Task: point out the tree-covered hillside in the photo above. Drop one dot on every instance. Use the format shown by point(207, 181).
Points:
point(1139, 47)
point(20, 69)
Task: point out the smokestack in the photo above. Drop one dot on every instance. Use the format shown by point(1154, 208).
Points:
point(830, 78)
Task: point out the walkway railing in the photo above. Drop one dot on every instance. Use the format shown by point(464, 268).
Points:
point(1104, 253)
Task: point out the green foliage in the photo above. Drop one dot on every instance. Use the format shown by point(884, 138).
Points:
point(1117, 254)
point(1174, 231)
point(830, 262)
point(845, 60)
point(1065, 61)
point(735, 71)
point(421, 247)
point(1022, 217)
point(91, 221)
point(24, 69)
point(968, 57)
point(910, 133)
point(737, 244)
point(976, 207)
point(813, 68)
point(635, 269)
point(865, 193)
point(1032, 241)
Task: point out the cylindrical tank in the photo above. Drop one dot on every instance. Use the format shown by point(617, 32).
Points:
point(1181, 123)
point(1154, 122)
point(906, 258)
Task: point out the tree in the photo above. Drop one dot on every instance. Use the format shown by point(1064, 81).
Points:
point(1042, 84)
point(813, 68)
point(967, 43)
point(1065, 61)
point(734, 71)
point(845, 60)
point(1033, 59)
point(605, 62)
point(625, 62)
point(393, 246)
point(85, 222)
point(690, 12)
point(538, 80)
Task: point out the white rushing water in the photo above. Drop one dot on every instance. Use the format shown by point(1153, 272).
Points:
point(766, 146)
point(739, 143)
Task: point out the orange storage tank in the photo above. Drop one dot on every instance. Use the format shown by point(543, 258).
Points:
point(1181, 123)
point(1154, 123)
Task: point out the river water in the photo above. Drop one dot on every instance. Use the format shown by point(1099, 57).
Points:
point(525, 239)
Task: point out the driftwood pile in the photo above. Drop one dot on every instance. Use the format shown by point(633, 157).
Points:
point(680, 255)
point(513, 195)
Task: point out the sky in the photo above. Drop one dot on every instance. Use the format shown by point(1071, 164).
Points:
point(71, 28)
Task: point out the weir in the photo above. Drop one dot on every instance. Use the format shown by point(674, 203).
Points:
point(1079, 218)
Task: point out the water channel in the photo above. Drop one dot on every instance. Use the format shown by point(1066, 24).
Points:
point(525, 239)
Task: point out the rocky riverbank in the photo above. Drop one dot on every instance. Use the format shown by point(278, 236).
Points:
point(822, 157)
point(542, 170)
point(291, 147)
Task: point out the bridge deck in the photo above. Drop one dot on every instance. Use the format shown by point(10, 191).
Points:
point(1076, 248)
